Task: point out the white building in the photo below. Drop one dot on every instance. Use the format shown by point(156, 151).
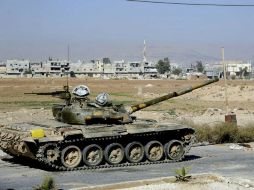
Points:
point(238, 69)
point(117, 69)
point(57, 67)
point(94, 68)
point(17, 67)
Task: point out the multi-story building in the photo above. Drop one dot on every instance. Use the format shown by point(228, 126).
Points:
point(238, 69)
point(50, 68)
point(2, 68)
point(57, 67)
point(150, 69)
point(94, 68)
point(118, 69)
point(17, 67)
point(38, 69)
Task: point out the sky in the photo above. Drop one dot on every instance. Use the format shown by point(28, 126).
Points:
point(117, 29)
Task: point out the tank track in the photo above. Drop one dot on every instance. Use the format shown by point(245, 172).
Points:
point(56, 167)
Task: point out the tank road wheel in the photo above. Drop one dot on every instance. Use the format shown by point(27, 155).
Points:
point(71, 156)
point(48, 153)
point(154, 151)
point(174, 150)
point(134, 152)
point(114, 153)
point(92, 155)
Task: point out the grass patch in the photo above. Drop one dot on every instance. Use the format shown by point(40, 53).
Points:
point(182, 174)
point(224, 133)
point(28, 104)
point(124, 102)
point(121, 94)
point(48, 183)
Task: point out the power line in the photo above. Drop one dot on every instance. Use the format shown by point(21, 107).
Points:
point(193, 4)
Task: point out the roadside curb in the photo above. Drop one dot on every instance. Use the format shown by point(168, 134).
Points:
point(131, 184)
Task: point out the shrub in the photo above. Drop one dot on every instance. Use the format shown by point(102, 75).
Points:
point(48, 183)
point(224, 133)
point(246, 134)
point(182, 174)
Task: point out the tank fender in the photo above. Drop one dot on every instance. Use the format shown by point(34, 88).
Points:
point(74, 132)
point(44, 139)
point(29, 139)
point(51, 139)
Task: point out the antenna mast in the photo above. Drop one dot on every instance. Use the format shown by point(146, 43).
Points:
point(68, 61)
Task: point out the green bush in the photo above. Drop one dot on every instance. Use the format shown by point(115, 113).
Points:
point(182, 174)
point(246, 134)
point(48, 183)
point(224, 133)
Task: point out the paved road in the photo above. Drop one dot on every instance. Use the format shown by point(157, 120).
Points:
point(204, 159)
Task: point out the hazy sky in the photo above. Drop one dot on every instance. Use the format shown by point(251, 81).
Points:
point(37, 29)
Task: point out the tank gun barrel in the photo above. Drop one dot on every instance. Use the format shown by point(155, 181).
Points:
point(170, 95)
point(58, 94)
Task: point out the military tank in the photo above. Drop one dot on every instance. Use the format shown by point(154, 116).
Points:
point(95, 134)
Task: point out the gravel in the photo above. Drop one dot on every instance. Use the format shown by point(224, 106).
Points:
point(2, 154)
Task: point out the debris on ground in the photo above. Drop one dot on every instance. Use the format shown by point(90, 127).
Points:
point(240, 146)
point(198, 182)
point(2, 154)
point(149, 85)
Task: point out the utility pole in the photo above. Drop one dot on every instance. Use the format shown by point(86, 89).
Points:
point(144, 52)
point(229, 117)
point(225, 78)
point(68, 53)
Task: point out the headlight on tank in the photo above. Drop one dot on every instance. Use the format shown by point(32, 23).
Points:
point(38, 133)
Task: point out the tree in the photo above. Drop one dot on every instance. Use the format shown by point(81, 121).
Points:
point(106, 60)
point(177, 71)
point(243, 72)
point(199, 66)
point(29, 71)
point(163, 66)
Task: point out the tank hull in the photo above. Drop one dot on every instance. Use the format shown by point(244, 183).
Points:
point(64, 146)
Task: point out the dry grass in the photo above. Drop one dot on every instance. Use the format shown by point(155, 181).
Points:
point(121, 91)
point(225, 133)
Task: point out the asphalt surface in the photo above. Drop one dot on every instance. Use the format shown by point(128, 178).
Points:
point(203, 159)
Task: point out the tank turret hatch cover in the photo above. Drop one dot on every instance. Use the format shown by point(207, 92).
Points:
point(81, 91)
point(103, 99)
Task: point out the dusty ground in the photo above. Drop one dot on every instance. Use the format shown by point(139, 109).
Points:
point(202, 106)
point(197, 182)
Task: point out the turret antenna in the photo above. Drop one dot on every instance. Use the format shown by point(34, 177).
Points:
point(68, 61)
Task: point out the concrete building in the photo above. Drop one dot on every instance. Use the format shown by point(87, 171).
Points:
point(150, 70)
point(117, 69)
point(38, 69)
point(234, 69)
point(238, 69)
point(2, 69)
point(17, 67)
point(94, 68)
point(57, 67)
point(213, 70)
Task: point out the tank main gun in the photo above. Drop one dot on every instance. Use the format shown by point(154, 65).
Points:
point(62, 94)
point(170, 95)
